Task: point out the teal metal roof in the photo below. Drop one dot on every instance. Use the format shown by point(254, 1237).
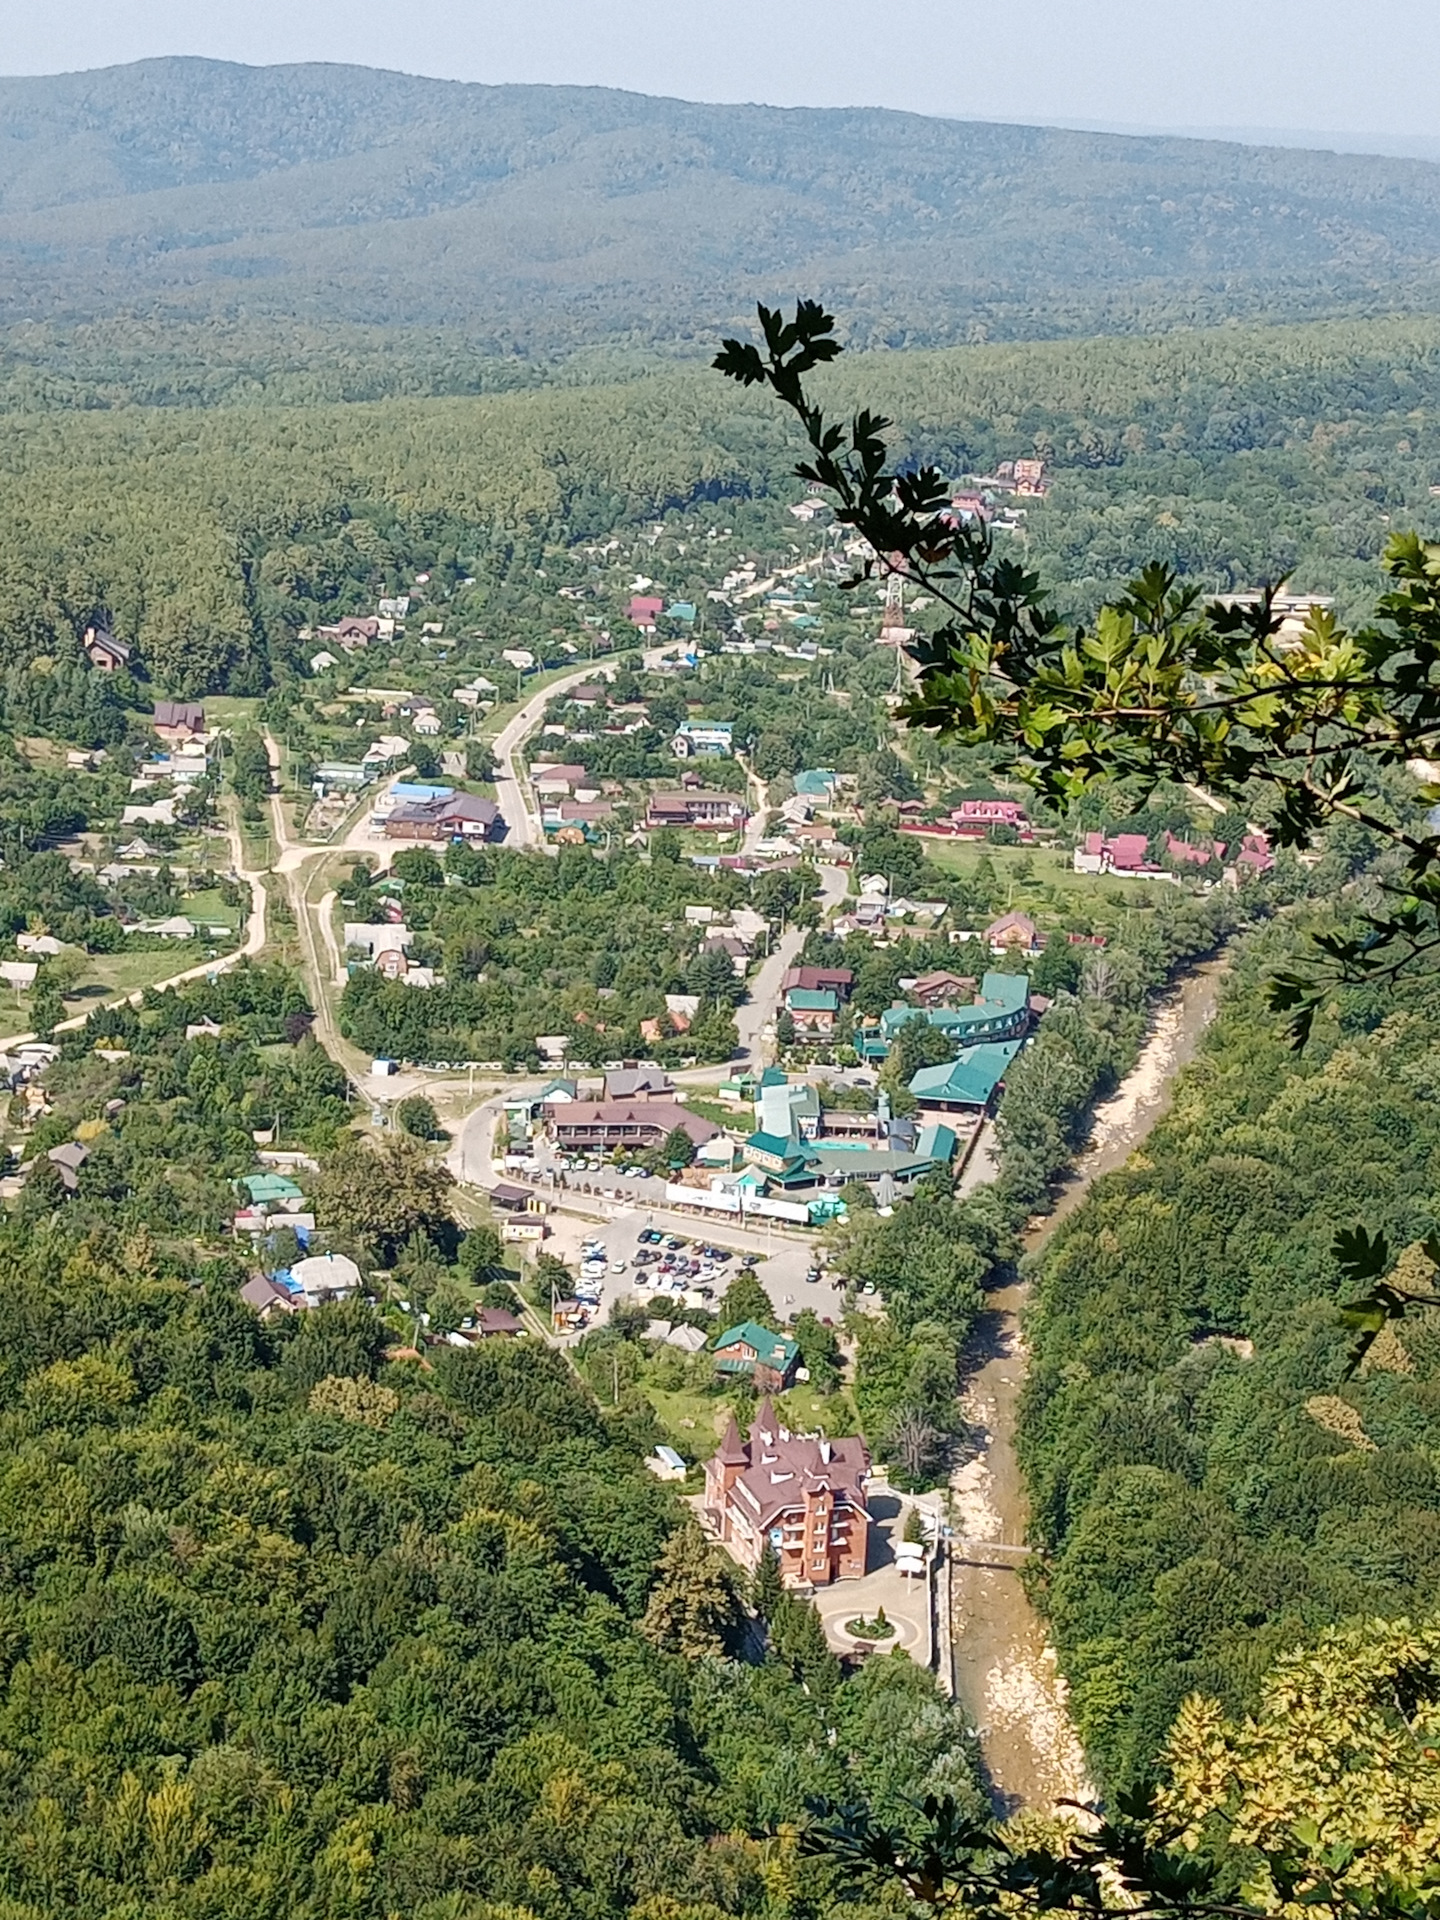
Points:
point(818, 783)
point(938, 1143)
point(270, 1186)
point(969, 1081)
point(1010, 991)
point(781, 1146)
point(771, 1349)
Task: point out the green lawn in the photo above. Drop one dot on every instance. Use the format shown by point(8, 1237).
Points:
point(1036, 876)
point(802, 1409)
point(227, 710)
point(109, 974)
point(208, 907)
point(706, 1418)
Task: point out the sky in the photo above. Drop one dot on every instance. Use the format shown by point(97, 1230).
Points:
point(1176, 64)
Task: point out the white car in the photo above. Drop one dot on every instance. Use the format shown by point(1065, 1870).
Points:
point(617, 1266)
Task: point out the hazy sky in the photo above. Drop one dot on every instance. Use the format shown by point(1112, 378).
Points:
point(1180, 63)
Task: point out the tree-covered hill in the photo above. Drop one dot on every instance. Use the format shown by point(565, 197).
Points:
point(552, 216)
point(1210, 1486)
point(215, 535)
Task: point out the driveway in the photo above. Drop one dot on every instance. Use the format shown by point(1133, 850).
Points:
point(905, 1599)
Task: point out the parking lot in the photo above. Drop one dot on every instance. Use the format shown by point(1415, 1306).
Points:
point(781, 1262)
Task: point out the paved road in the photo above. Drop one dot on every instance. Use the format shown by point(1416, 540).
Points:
point(522, 818)
point(755, 1019)
point(524, 828)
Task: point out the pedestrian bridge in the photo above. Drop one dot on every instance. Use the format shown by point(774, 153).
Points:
point(994, 1554)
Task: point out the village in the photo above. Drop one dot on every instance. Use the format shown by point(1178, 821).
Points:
point(857, 954)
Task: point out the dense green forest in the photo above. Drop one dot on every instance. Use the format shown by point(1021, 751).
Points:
point(214, 535)
point(551, 218)
point(1210, 1489)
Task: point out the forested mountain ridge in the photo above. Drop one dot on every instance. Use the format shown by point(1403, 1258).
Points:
point(549, 217)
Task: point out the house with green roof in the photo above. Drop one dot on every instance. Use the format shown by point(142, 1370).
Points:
point(968, 1082)
point(272, 1190)
point(938, 1144)
point(814, 1010)
point(770, 1359)
point(786, 1159)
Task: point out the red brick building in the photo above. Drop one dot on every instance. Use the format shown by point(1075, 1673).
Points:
point(805, 1496)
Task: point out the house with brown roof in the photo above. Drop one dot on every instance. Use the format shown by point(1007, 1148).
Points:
point(802, 1494)
point(941, 988)
point(557, 782)
point(353, 631)
point(836, 980)
point(697, 807)
point(1014, 931)
point(177, 720)
point(456, 816)
point(588, 1126)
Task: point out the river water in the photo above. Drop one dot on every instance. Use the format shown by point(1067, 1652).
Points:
point(1005, 1673)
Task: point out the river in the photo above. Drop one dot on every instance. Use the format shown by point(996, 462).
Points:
point(1005, 1673)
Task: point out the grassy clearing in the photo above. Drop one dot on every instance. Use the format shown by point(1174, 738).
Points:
point(1037, 876)
point(109, 974)
point(229, 712)
point(208, 907)
point(694, 1420)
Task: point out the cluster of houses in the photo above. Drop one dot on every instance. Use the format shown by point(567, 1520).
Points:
point(271, 1201)
point(799, 1145)
point(180, 761)
point(1128, 855)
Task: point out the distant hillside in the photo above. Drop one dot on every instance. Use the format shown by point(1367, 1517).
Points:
point(552, 217)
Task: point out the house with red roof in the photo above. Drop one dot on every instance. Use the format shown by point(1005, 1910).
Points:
point(1190, 853)
point(975, 818)
point(644, 610)
point(1255, 856)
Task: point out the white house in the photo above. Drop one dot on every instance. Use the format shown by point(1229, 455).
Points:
point(326, 1276)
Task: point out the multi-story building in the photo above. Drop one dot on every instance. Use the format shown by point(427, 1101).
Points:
point(697, 808)
point(805, 1495)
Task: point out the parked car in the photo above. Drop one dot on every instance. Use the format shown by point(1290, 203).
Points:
point(617, 1266)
